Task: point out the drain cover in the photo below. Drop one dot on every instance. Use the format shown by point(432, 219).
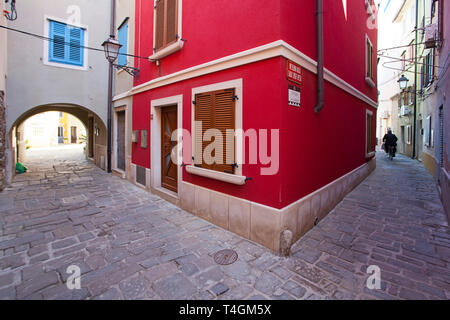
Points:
point(225, 257)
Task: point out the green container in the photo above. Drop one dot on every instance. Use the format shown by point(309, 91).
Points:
point(20, 168)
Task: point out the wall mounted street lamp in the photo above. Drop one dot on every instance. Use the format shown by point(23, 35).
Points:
point(403, 82)
point(112, 48)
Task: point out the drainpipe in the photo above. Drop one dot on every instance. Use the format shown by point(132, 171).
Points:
point(414, 153)
point(110, 89)
point(320, 82)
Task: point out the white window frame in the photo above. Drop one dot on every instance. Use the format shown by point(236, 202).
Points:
point(174, 47)
point(372, 153)
point(429, 132)
point(236, 178)
point(45, 59)
point(369, 80)
point(408, 134)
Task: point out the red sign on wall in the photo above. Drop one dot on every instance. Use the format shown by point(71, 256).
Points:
point(294, 72)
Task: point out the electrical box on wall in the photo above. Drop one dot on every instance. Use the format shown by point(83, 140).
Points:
point(144, 138)
point(134, 136)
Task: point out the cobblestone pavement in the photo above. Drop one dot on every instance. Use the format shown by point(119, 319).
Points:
point(133, 245)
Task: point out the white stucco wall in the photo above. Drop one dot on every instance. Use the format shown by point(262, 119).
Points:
point(32, 83)
point(3, 52)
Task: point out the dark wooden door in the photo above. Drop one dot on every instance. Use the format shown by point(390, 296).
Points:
point(73, 135)
point(121, 140)
point(169, 170)
point(91, 138)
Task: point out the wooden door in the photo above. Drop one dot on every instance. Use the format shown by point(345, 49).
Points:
point(90, 141)
point(169, 170)
point(121, 140)
point(73, 135)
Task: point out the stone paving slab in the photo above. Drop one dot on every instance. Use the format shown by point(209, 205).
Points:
point(130, 244)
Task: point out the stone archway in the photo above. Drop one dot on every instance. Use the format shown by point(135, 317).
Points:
point(96, 144)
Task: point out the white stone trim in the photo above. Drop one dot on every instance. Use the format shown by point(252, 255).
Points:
point(275, 49)
point(370, 154)
point(369, 80)
point(238, 121)
point(155, 125)
point(221, 176)
point(123, 108)
point(174, 47)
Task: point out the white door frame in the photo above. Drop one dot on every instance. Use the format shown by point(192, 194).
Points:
point(155, 125)
point(115, 137)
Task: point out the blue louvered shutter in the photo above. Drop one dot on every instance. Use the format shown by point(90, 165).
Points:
point(76, 41)
point(57, 48)
point(66, 44)
point(123, 40)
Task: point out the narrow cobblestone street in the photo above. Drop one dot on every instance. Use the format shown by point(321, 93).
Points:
point(131, 244)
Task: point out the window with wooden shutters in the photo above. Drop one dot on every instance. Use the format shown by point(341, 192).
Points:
point(369, 59)
point(166, 23)
point(66, 45)
point(215, 110)
point(370, 147)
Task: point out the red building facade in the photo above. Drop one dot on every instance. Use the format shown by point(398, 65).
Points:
point(252, 66)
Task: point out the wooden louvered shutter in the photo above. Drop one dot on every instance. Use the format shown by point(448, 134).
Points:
point(171, 21)
point(224, 106)
point(216, 110)
point(159, 34)
point(203, 114)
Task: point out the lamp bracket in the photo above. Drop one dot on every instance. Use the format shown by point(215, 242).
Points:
point(130, 70)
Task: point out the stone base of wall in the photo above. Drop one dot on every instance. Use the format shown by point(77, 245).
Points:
point(445, 192)
point(429, 163)
point(100, 156)
point(263, 224)
point(2, 141)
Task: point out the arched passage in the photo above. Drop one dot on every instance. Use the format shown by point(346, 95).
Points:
point(96, 137)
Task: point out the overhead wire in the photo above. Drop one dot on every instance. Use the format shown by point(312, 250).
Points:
point(66, 43)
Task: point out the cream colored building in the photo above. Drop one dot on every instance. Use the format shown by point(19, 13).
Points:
point(3, 72)
point(51, 129)
point(397, 21)
point(123, 83)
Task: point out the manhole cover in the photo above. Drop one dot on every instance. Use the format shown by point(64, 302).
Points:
point(225, 257)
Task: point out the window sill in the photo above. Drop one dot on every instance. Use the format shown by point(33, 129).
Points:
point(370, 155)
point(177, 46)
point(65, 65)
point(225, 177)
point(370, 82)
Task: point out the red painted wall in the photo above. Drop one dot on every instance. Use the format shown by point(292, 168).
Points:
point(315, 148)
point(344, 40)
point(257, 107)
point(213, 29)
point(319, 148)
